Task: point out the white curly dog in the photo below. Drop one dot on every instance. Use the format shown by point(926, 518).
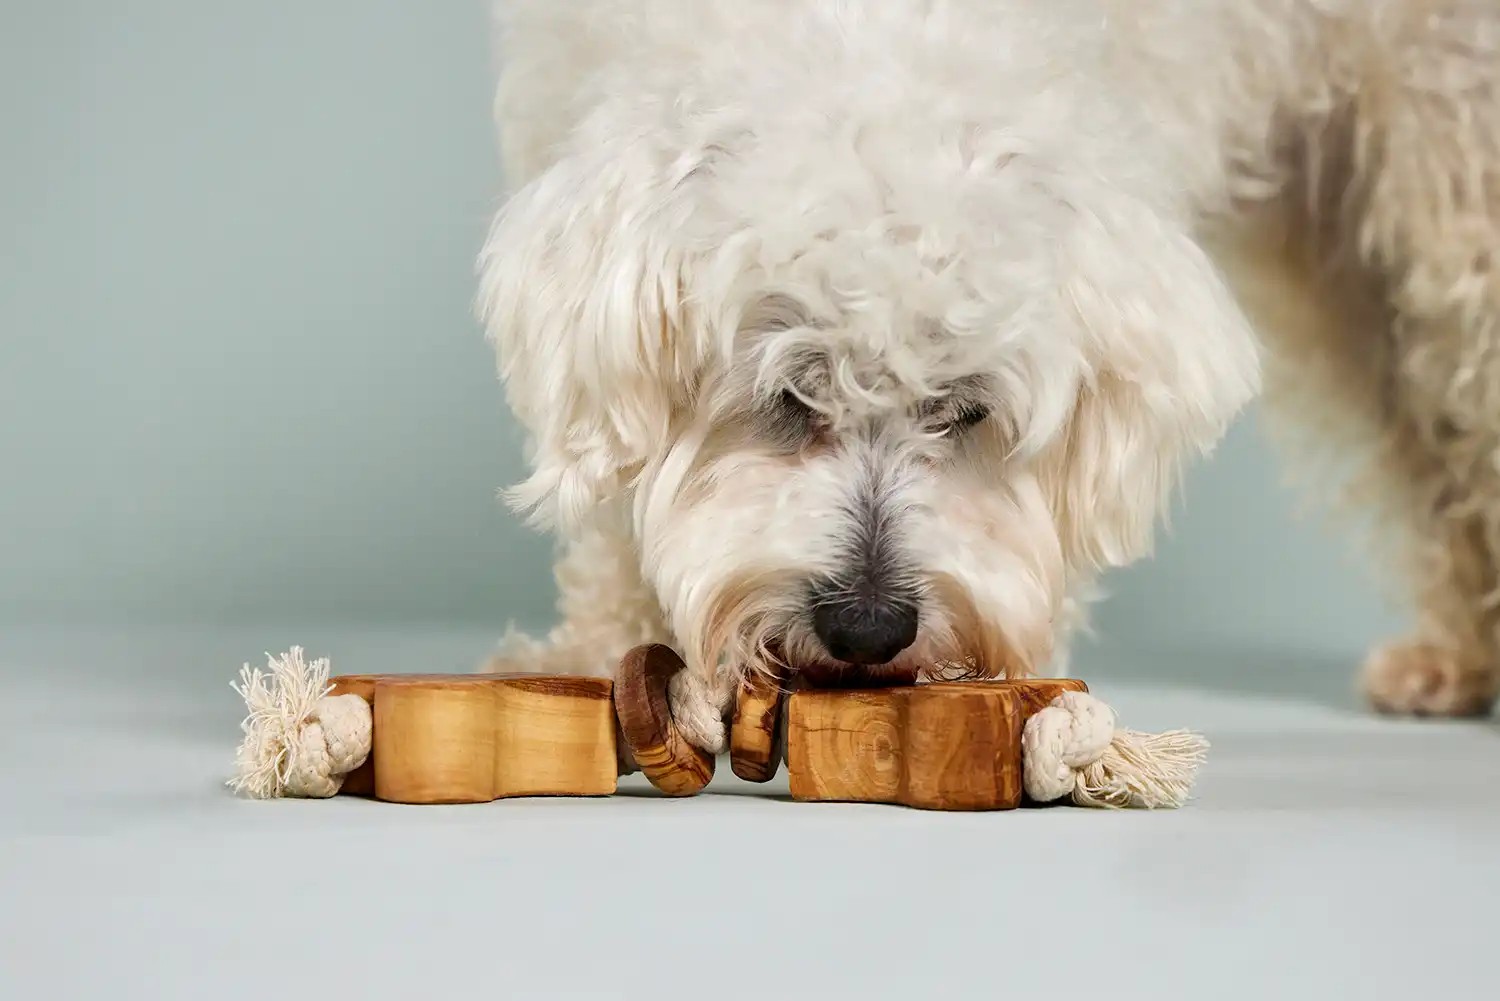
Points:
point(871, 332)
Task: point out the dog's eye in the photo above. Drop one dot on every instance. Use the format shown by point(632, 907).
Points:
point(794, 418)
point(792, 406)
point(966, 417)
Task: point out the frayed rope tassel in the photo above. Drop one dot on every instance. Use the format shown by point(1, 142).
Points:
point(1074, 749)
point(299, 741)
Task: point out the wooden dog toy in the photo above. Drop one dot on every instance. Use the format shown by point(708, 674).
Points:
point(469, 738)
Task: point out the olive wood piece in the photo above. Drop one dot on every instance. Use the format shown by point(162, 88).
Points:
point(755, 736)
point(669, 762)
point(473, 738)
point(1037, 693)
point(939, 746)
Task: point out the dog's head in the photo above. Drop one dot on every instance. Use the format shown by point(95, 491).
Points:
point(880, 396)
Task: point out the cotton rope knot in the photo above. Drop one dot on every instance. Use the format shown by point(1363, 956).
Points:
point(1074, 749)
point(299, 740)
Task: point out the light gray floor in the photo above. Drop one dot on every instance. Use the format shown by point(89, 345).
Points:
point(1328, 855)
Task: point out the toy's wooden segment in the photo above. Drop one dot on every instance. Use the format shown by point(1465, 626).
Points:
point(434, 740)
point(555, 735)
point(755, 744)
point(939, 747)
point(668, 761)
point(473, 738)
point(962, 748)
point(844, 746)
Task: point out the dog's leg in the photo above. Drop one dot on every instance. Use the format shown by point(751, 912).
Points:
point(1430, 115)
point(1393, 226)
point(1442, 437)
point(1357, 388)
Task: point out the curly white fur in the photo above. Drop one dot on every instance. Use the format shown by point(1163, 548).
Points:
point(906, 309)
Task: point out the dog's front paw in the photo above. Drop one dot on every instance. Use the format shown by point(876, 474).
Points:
point(698, 709)
point(1422, 679)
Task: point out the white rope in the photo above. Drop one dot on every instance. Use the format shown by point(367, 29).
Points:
point(1073, 749)
point(699, 708)
point(299, 741)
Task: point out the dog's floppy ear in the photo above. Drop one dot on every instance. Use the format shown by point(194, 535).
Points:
point(1169, 360)
point(581, 294)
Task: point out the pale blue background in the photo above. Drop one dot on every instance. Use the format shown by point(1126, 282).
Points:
point(240, 380)
point(244, 404)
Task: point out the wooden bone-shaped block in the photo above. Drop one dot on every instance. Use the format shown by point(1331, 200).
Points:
point(940, 746)
point(473, 738)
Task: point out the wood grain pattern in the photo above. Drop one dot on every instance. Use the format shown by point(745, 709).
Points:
point(1037, 693)
point(473, 738)
point(939, 746)
point(846, 745)
point(755, 737)
point(664, 756)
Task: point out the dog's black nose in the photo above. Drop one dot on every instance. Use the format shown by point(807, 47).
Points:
point(864, 629)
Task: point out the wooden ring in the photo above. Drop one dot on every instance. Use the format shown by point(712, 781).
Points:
point(755, 737)
point(668, 761)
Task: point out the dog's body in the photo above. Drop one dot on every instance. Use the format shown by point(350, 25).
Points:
point(873, 331)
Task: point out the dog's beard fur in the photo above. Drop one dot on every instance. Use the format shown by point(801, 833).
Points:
point(944, 357)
